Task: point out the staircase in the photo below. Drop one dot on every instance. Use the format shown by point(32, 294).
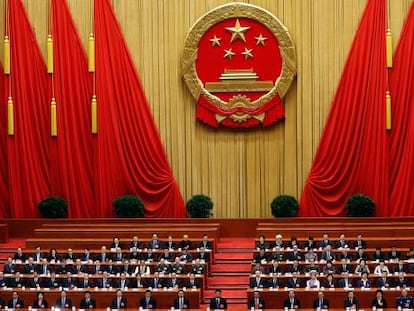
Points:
point(230, 271)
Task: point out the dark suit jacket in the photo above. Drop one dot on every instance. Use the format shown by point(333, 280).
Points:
point(207, 246)
point(363, 244)
point(138, 244)
point(341, 283)
point(68, 303)
point(10, 268)
point(252, 303)
point(86, 305)
point(274, 283)
point(287, 304)
point(124, 303)
point(189, 285)
point(347, 268)
point(108, 283)
point(349, 304)
point(19, 303)
point(294, 283)
point(381, 283)
point(37, 304)
point(169, 283)
point(186, 304)
point(325, 304)
point(52, 284)
point(222, 305)
point(254, 283)
point(81, 284)
point(2, 303)
point(152, 303)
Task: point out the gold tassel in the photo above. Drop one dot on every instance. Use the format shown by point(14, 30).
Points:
point(6, 55)
point(389, 48)
point(94, 110)
point(49, 54)
point(10, 116)
point(91, 53)
point(388, 110)
point(53, 121)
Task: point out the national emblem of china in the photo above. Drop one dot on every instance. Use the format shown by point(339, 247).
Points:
point(239, 62)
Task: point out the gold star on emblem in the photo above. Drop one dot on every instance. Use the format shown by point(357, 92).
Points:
point(215, 41)
point(260, 40)
point(229, 53)
point(237, 32)
point(247, 53)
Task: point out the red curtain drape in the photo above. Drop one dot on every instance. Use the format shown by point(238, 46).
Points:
point(352, 153)
point(402, 133)
point(72, 151)
point(4, 177)
point(28, 149)
point(131, 155)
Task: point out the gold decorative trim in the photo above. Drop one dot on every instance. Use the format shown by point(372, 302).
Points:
point(238, 10)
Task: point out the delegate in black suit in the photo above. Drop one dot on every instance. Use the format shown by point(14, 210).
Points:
point(218, 303)
point(320, 303)
point(148, 303)
point(291, 305)
point(186, 303)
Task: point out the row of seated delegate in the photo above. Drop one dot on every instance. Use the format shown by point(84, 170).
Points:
point(104, 281)
point(328, 253)
point(313, 280)
point(329, 267)
point(129, 267)
point(103, 255)
point(311, 243)
point(91, 299)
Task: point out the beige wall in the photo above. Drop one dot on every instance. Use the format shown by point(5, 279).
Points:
point(241, 171)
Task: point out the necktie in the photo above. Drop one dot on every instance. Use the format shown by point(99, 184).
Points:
point(119, 303)
point(291, 303)
point(147, 303)
point(14, 303)
point(257, 304)
point(320, 303)
point(218, 303)
point(181, 303)
point(63, 302)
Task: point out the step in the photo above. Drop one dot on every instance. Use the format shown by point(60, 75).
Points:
point(233, 256)
point(233, 261)
point(236, 250)
point(226, 280)
point(236, 243)
point(245, 268)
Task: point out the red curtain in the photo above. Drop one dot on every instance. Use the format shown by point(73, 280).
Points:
point(72, 151)
point(4, 177)
point(352, 153)
point(402, 133)
point(131, 155)
point(28, 149)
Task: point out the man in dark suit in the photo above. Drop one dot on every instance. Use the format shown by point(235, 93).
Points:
point(116, 244)
point(35, 281)
point(351, 301)
point(170, 244)
point(400, 267)
point(257, 281)
point(63, 302)
point(294, 282)
point(393, 254)
point(38, 255)
point(181, 302)
point(122, 282)
point(359, 242)
point(344, 266)
point(192, 282)
point(119, 302)
point(85, 282)
point(295, 254)
point(87, 302)
point(203, 255)
point(148, 302)
point(257, 302)
point(173, 282)
point(342, 242)
point(17, 281)
point(345, 282)
point(274, 282)
point(154, 243)
point(2, 303)
point(52, 282)
point(205, 243)
point(320, 302)
point(402, 281)
point(30, 266)
point(218, 302)
point(135, 243)
point(291, 302)
point(15, 302)
point(105, 281)
point(156, 282)
point(69, 281)
point(9, 267)
point(384, 281)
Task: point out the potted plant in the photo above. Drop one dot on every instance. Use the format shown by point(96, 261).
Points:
point(284, 206)
point(360, 205)
point(53, 207)
point(128, 206)
point(199, 206)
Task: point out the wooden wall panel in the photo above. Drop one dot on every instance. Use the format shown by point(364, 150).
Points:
point(242, 171)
